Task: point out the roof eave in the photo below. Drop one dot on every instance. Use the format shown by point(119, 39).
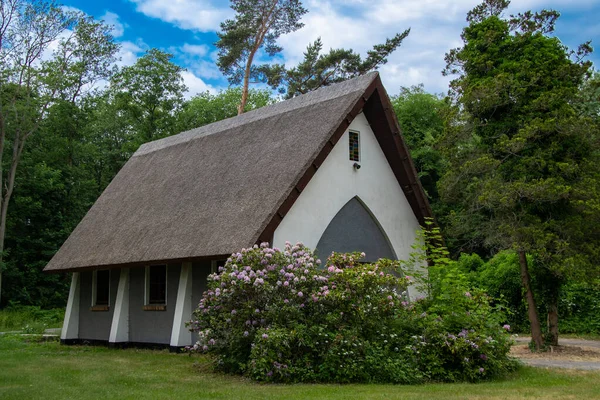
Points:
point(139, 264)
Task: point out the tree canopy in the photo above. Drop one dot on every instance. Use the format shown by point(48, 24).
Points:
point(521, 158)
point(149, 93)
point(256, 26)
point(421, 117)
point(81, 52)
point(206, 108)
point(317, 69)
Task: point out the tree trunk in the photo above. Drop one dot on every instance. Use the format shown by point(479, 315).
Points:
point(2, 233)
point(534, 320)
point(244, 100)
point(553, 317)
point(258, 40)
point(18, 145)
point(3, 214)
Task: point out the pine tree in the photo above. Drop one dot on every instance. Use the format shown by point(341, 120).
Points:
point(256, 26)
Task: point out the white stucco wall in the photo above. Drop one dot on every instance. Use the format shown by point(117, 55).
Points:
point(336, 182)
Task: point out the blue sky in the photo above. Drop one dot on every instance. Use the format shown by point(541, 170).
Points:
point(187, 29)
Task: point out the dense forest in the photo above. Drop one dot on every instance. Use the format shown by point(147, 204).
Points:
point(508, 157)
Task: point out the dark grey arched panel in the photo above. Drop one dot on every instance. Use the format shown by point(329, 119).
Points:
point(355, 229)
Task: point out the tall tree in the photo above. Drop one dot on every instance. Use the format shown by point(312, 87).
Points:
point(54, 188)
point(522, 159)
point(421, 117)
point(317, 69)
point(149, 94)
point(206, 108)
point(256, 26)
point(33, 76)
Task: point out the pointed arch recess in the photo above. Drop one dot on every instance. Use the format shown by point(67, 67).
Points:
point(355, 228)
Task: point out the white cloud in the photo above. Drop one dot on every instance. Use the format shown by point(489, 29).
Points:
point(419, 59)
point(409, 11)
point(130, 52)
point(199, 15)
point(198, 59)
point(205, 69)
point(196, 49)
point(195, 85)
point(70, 9)
point(110, 18)
point(435, 25)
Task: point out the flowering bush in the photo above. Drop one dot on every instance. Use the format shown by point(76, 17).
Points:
point(460, 338)
point(276, 315)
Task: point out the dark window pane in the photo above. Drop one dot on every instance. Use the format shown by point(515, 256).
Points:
point(354, 146)
point(102, 287)
point(157, 284)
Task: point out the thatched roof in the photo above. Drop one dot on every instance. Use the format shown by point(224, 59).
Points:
point(216, 189)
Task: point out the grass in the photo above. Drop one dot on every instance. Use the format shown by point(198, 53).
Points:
point(588, 336)
point(48, 370)
point(30, 319)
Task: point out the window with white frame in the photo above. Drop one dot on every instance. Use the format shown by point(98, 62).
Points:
point(156, 285)
point(101, 288)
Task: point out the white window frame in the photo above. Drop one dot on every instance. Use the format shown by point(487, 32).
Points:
point(147, 285)
point(95, 288)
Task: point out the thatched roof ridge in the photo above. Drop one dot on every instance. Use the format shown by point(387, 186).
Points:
point(355, 85)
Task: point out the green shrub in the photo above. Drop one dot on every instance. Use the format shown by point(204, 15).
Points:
point(274, 315)
point(579, 302)
point(30, 319)
point(461, 337)
point(500, 278)
point(579, 308)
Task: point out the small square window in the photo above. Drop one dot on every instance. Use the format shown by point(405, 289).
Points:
point(354, 146)
point(156, 285)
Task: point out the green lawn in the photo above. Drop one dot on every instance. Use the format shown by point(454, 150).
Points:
point(51, 371)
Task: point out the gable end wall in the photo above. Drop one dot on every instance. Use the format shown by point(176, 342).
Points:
point(336, 182)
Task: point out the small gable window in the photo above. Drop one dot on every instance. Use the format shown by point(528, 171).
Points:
point(156, 285)
point(100, 290)
point(354, 146)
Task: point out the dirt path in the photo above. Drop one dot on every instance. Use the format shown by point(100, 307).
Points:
point(566, 342)
point(571, 353)
point(587, 365)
